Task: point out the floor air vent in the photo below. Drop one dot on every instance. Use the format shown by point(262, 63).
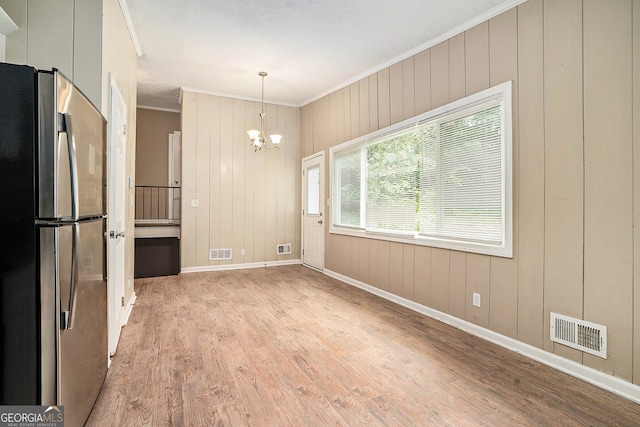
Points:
point(284, 249)
point(579, 334)
point(219, 254)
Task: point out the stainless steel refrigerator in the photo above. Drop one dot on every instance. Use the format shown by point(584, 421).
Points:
point(53, 292)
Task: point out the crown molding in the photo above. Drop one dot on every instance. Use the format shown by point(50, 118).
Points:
point(126, 13)
point(7, 26)
point(491, 13)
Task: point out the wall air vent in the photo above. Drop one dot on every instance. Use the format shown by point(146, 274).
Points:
point(284, 249)
point(219, 254)
point(579, 334)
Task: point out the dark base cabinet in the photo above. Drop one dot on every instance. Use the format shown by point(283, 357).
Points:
point(157, 256)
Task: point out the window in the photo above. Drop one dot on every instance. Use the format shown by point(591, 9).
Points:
point(440, 179)
point(313, 190)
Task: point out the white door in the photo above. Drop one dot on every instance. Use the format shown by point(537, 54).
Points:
point(116, 213)
point(313, 211)
point(175, 171)
point(175, 159)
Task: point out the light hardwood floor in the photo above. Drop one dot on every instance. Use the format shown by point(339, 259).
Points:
point(288, 346)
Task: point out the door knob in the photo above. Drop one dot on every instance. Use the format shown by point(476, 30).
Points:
point(319, 221)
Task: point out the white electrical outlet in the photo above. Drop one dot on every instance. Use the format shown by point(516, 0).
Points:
point(476, 299)
point(243, 252)
point(195, 203)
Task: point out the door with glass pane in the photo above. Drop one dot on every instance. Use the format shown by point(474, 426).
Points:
point(312, 211)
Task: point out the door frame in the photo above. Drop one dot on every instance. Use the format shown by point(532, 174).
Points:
point(323, 215)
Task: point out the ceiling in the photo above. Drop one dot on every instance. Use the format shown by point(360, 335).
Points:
point(308, 47)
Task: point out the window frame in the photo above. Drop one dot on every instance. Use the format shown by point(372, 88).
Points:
point(500, 95)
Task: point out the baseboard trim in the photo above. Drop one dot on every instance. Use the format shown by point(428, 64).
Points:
point(600, 379)
point(129, 308)
point(223, 267)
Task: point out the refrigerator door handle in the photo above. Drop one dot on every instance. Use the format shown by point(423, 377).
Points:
point(67, 316)
point(66, 127)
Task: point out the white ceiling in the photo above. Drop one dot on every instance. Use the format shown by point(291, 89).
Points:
point(308, 47)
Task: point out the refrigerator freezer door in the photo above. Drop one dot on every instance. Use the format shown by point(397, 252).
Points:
point(83, 349)
point(71, 152)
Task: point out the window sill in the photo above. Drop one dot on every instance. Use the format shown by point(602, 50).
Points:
point(504, 251)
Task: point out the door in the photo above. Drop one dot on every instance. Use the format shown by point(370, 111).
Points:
point(175, 159)
point(175, 172)
point(313, 211)
point(116, 214)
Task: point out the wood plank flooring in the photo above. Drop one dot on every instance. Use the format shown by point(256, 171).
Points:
point(288, 346)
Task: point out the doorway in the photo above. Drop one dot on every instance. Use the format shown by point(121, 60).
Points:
point(313, 219)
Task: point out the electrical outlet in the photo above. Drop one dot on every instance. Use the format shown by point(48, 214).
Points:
point(476, 299)
point(195, 203)
point(243, 252)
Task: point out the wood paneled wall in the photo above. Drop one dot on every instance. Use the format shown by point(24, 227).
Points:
point(575, 66)
point(247, 200)
point(64, 34)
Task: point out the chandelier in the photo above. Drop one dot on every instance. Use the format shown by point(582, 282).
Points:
point(257, 138)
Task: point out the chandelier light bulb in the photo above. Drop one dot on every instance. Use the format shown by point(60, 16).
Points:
point(275, 139)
